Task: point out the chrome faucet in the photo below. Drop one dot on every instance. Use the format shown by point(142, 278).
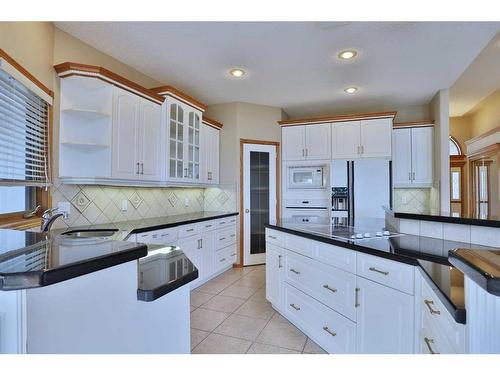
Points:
point(48, 218)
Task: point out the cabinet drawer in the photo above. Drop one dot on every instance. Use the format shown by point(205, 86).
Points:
point(226, 221)
point(336, 256)
point(167, 236)
point(275, 237)
point(437, 321)
point(225, 257)
point(225, 237)
point(332, 331)
point(208, 225)
point(387, 272)
point(188, 230)
point(433, 342)
point(298, 244)
point(331, 286)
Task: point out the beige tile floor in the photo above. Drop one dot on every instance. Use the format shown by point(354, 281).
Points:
point(230, 315)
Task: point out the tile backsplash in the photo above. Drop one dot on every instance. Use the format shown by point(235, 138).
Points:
point(418, 201)
point(98, 204)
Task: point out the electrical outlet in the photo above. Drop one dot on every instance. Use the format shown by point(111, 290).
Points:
point(404, 199)
point(186, 202)
point(124, 205)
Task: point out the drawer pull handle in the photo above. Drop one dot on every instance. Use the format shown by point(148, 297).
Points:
point(295, 271)
point(189, 230)
point(333, 290)
point(223, 260)
point(428, 342)
point(385, 273)
point(356, 295)
point(208, 226)
point(279, 261)
point(232, 235)
point(272, 237)
point(295, 307)
point(222, 238)
point(233, 254)
point(222, 223)
point(431, 310)
point(329, 331)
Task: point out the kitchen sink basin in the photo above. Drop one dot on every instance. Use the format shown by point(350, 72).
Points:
point(89, 234)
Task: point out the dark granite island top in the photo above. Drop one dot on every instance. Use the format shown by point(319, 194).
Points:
point(29, 259)
point(486, 221)
point(431, 255)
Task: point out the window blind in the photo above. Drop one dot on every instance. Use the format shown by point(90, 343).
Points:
point(24, 136)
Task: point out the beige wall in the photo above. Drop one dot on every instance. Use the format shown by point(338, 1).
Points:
point(413, 113)
point(486, 115)
point(31, 44)
point(460, 129)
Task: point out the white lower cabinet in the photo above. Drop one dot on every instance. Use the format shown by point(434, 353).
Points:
point(274, 275)
point(352, 302)
point(384, 319)
point(209, 245)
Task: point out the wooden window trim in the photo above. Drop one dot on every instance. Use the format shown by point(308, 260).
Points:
point(15, 220)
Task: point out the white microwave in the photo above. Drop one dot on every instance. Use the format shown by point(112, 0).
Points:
point(306, 177)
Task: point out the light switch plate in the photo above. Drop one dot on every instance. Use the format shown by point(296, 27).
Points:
point(186, 202)
point(124, 205)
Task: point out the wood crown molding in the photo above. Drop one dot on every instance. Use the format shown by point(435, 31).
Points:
point(413, 124)
point(172, 91)
point(212, 123)
point(484, 152)
point(68, 69)
point(27, 74)
point(337, 118)
point(484, 135)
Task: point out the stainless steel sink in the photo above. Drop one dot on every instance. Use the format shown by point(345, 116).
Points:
point(89, 234)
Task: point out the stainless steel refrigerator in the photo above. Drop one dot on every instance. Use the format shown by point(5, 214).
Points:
point(360, 190)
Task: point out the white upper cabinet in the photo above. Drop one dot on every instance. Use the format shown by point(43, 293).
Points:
point(346, 140)
point(126, 164)
point(210, 154)
point(422, 156)
point(150, 140)
point(184, 143)
point(401, 159)
point(318, 144)
point(176, 134)
point(293, 139)
point(376, 138)
point(306, 142)
point(362, 139)
point(136, 137)
point(413, 157)
point(193, 149)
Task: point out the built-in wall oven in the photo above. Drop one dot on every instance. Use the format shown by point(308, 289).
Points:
point(307, 211)
point(307, 177)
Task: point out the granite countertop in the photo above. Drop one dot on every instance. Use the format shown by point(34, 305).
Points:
point(431, 255)
point(30, 259)
point(487, 221)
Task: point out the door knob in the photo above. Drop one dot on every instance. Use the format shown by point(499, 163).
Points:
point(247, 210)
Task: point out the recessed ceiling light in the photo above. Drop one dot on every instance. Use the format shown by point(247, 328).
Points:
point(351, 90)
point(347, 54)
point(237, 72)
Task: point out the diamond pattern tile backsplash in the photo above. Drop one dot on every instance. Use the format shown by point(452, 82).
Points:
point(418, 201)
point(92, 204)
point(221, 198)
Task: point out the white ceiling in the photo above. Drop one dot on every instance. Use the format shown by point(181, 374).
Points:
point(293, 65)
point(480, 79)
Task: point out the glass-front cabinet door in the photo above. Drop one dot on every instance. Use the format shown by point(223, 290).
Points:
point(193, 158)
point(176, 141)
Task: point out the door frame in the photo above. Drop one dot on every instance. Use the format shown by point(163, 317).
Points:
point(244, 141)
